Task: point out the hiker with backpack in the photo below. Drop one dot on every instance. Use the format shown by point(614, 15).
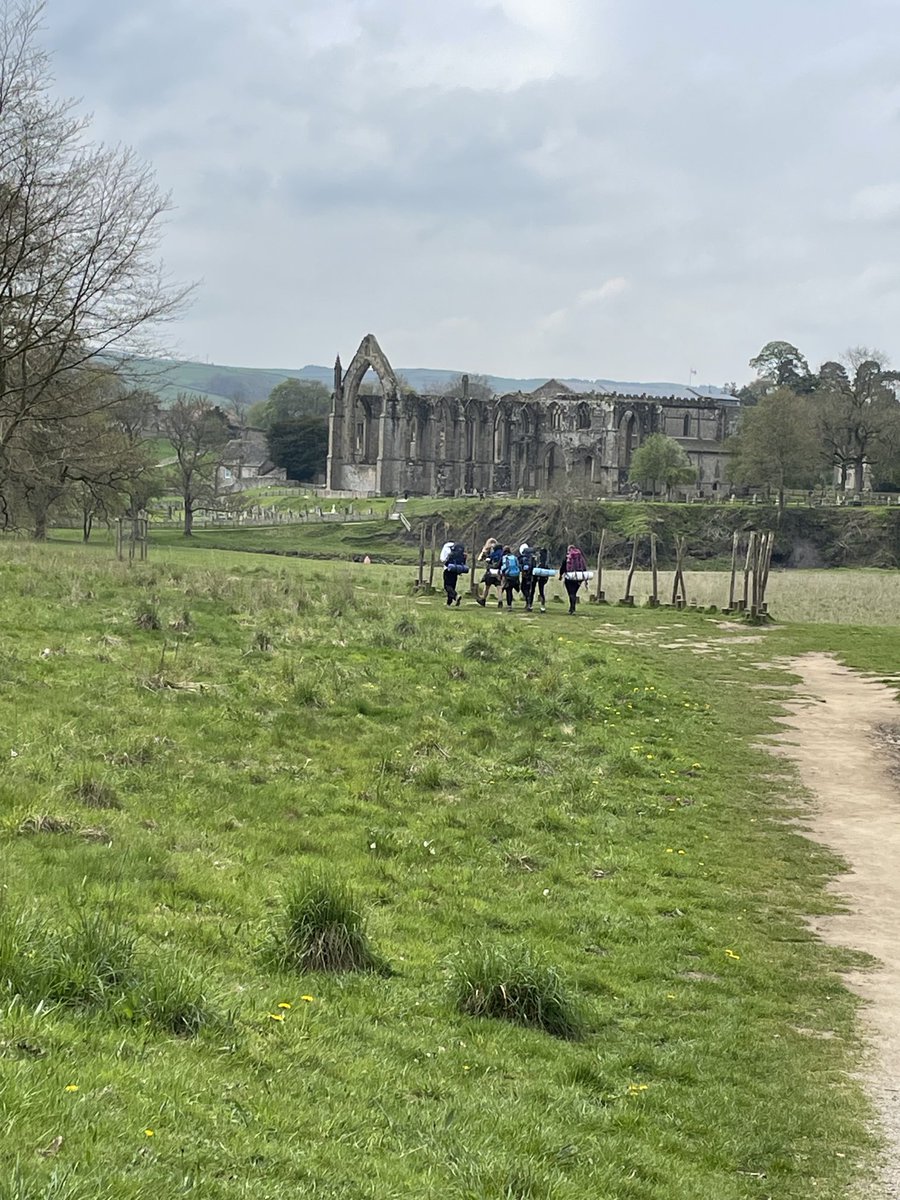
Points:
point(492, 555)
point(573, 572)
point(510, 576)
point(527, 563)
point(541, 572)
point(453, 560)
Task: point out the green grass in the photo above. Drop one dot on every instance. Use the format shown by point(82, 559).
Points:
point(562, 808)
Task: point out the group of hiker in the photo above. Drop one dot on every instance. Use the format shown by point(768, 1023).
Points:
point(525, 571)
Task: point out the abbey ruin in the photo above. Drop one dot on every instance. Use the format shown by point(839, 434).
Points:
point(391, 443)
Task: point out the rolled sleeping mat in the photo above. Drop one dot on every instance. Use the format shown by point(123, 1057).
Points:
point(458, 568)
point(578, 576)
point(544, 572)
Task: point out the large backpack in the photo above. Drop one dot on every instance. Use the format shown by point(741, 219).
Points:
point(457, 554)
point(575, 560)
point(495, 558)
point(446, 552)
point(510, 566)
point(526, 558)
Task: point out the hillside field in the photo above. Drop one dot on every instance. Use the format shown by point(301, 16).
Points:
point(579, 803)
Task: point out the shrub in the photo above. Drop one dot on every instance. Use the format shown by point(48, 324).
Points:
point(324, 930)
point(514, 986)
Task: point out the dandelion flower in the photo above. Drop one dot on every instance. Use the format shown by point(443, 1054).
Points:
point(284, 1004)
point(731, 954)
point(308, 999)
point(279, 1016)
point(149, 1133)
point(72, 1087)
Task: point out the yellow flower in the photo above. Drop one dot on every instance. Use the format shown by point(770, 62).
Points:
point(670, 850)
point(695, 766)
point(635, 1089)
point(71, 1087)
point(308, 999)
point(149, 1133)
point(284, 1004)
point(682, 852)
point(276, 1016)
point(731, 954)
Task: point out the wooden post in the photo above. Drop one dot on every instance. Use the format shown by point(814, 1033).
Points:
point(735, 542)
point(654, 599)
point(747, 561)
point(119, 547)
point(431, 565)
point(420, 582)
point(679, 591)
point(628, 599)
point(598, 587)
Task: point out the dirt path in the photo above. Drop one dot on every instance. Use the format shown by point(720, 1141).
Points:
point(843, 732)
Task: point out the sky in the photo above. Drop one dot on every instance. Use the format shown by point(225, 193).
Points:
point(625, 189)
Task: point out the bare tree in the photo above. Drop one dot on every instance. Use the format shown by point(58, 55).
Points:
point(199, 434)
point(79, 235)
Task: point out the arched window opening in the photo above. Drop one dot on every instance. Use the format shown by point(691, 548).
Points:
point(686, 431)
point(584, 417)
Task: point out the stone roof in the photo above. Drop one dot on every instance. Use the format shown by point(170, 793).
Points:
point(552, 388)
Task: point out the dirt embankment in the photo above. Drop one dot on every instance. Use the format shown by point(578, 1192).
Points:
point(805, 537)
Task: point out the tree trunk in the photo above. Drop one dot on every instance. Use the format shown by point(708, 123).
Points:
point(39, 533)
point(87, 524)
point(858, 472)
point(188, 518)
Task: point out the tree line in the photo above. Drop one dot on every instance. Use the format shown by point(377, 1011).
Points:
point(800, 428)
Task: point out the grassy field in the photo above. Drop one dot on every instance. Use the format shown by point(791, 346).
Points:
point(560, 820)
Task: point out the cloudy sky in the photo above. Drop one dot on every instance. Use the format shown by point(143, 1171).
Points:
point(597, 188)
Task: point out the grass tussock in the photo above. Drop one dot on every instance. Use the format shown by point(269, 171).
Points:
point(91, 964)
point(323, 929)
point(512, 985)
point(93, 792)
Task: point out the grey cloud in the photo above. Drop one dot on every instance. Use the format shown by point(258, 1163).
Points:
point(733, 164)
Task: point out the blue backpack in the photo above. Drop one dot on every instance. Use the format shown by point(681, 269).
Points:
point(527, 560)
point(510, 566)
point(496, 557)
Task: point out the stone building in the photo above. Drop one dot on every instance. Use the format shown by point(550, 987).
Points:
point(552, 439)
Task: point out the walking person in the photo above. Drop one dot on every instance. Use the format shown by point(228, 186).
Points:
point(573, 572)
point(527, 563)
point(492, 555)
point(540, 574)
point(510, 576)
point(453, 560)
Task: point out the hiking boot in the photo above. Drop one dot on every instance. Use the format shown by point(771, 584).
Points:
point(478, 600)
point(528, 608)
point(458, 601)
point(499, 603)
point(543, 609)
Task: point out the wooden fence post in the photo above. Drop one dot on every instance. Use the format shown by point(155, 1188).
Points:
point(735, 542)
point(599, 597)
point(628, 599)
point(431, 565)
point(654, 599)
point(420, 582)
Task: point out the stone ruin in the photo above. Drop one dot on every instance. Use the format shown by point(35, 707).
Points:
point(548, 441)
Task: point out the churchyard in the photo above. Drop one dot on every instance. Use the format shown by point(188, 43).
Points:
point(582, 879)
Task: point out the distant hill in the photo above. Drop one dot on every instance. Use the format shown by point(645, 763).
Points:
point(223, 384)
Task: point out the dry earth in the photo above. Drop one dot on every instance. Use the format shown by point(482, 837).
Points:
point(843, 732)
